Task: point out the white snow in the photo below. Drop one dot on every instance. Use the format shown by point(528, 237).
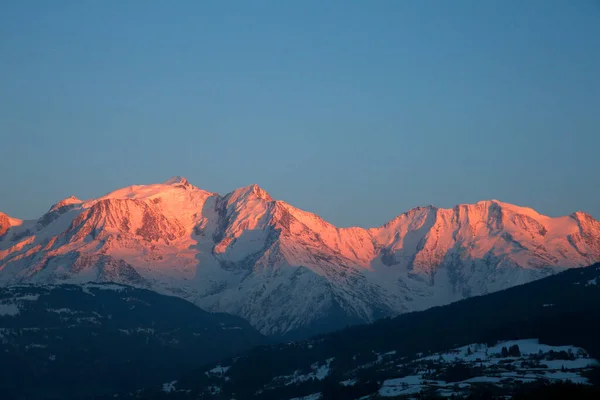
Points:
point(322, 371)
point(446, 392)
point(314, 396)
point(482, 355)
point(88, 319)
point(319, 372)
point(105, 286)
point(381, 357)
point(176, 180)
point(169, 387)
point(214, 389)
point(14, 221)
point(592, 282)
point(61, 311)
point(401, 386)
point(218, 370)
point(35, 346)
point(65, 202)
point(9, 309)
point(482, 352)
point(28, 297)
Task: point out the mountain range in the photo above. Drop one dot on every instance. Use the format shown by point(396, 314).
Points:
point(286, 271)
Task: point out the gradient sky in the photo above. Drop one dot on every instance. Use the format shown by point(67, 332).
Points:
point(354, 110)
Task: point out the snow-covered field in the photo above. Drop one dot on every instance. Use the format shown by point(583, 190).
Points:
point(503, 365)
point(536, 361)
point(318, 372)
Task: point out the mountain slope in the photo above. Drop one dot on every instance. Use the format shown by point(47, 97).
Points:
point(81, 341)
point(287, 271)
point(457, 348)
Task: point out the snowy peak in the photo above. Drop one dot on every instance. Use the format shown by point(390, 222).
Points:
point(492, 212)
point(250, 202)
point(495, 205)
point(583, 217)
point(178, 201)
point(427, 238)
point(417, 213)
point(65, 202)
point(177, 181)
point(154, 190)
point(244, 218)
point(247, 193)
point(125, 217)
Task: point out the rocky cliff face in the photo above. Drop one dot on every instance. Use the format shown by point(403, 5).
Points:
point(285, 270)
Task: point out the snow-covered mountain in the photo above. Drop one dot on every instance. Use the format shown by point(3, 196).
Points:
point(287, 271)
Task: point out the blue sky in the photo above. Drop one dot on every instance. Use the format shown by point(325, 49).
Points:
point(355, 110)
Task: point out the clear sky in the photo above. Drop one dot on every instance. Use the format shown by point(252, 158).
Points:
point(354, 110)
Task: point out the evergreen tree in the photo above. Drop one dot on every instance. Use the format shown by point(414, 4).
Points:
point(514, 351)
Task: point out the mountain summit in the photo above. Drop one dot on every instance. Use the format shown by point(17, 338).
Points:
point(287, 271)
point(177, 180)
